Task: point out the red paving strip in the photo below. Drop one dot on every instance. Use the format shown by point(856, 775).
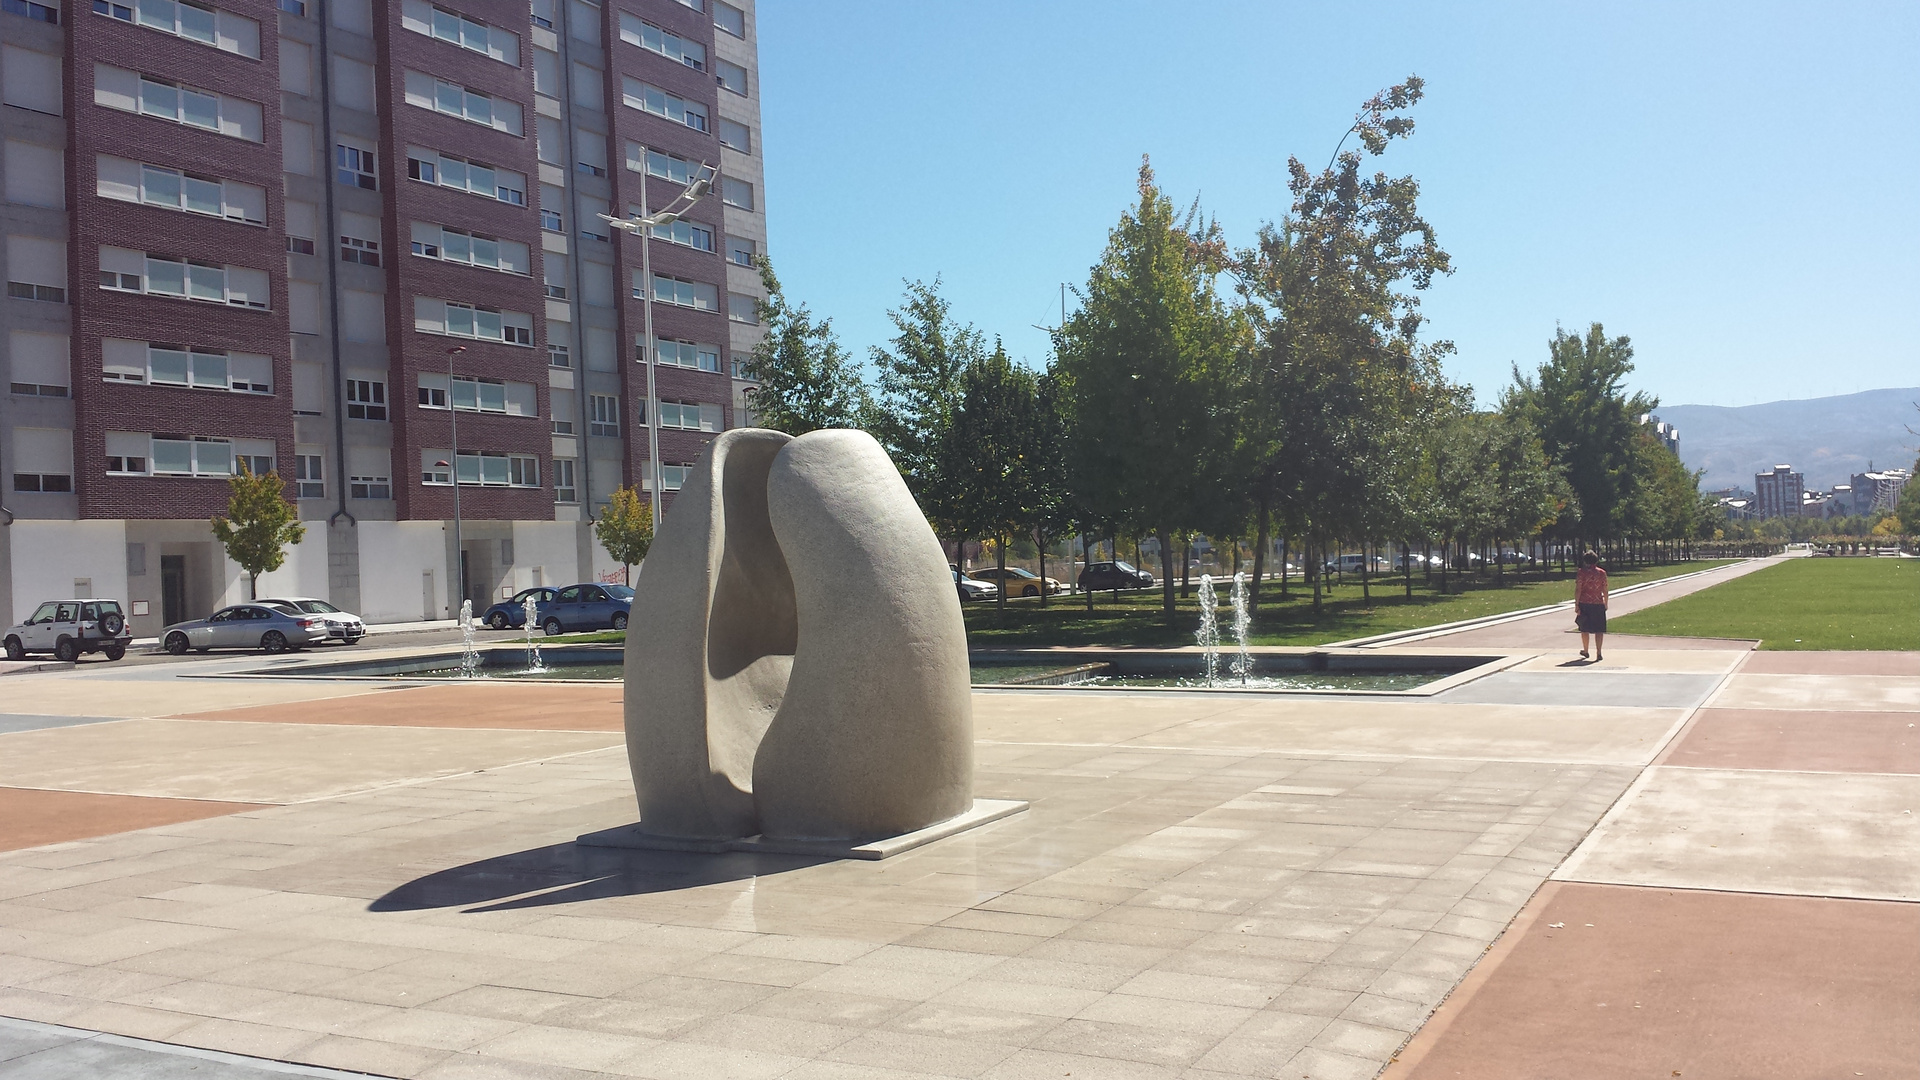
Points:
point(516, 708)
point(1669, 983)
point(1882, 742)
point(30, 817)
point(1832, 663)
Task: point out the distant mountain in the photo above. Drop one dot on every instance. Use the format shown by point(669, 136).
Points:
point(1828, 439)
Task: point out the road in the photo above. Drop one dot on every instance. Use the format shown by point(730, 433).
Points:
point(144, 655)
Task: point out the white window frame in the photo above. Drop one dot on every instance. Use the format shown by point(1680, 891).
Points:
point(203, 451)
point(683, 293)
point(603, 415)
point(648, 98)
point(565, 490)
point(369, 396)
point(420, 159)
point(432, 240)
point(223, 30)
point(169, 189)
point(642, 34)
point(425, 91)
point(463, 31)
point(309, 475)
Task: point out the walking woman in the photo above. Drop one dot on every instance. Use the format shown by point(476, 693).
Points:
point(1590, 605)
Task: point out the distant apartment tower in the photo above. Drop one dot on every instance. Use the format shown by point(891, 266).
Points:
point(1778, 493)
point(307, 235)
point(1878, 492)
point(1668, 435)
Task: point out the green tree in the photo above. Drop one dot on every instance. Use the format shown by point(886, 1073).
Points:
point(259, 524)
point(990, 452)
point(1341, 383)
point(1579, 404)
point(625, 528)
point(806, 380)
point(918, 384)
point(1148, 366)
point(1051, 511)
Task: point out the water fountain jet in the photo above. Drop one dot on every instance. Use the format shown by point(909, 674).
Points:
point(470, 658)
point(531, 611)
point(1209, 632)
point(1242, 622)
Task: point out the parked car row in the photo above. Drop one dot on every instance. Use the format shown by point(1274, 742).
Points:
point(560, 610)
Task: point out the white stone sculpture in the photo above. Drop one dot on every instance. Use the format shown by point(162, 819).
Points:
point(796, 665)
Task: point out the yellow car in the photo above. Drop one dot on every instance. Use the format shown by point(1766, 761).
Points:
point(1014, 581)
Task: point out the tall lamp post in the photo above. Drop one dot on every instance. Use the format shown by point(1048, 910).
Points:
point(644, 225)
point(453, 417)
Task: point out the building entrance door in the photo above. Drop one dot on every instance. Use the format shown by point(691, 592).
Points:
point(173, 589)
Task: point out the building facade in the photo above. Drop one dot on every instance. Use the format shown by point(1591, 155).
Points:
point(1877, 492)
point(1778, 493)
point(358, 242)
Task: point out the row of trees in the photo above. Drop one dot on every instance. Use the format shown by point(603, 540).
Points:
point(1283, 389)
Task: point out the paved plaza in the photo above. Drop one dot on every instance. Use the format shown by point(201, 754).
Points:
point(1694, 860)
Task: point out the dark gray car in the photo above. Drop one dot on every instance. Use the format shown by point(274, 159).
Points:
point(245, 626)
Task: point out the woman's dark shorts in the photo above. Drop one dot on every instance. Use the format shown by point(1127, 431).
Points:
point(1591, 618)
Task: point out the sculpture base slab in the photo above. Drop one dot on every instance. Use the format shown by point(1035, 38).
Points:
point(983, 811)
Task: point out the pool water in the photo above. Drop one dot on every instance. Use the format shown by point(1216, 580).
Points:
point(1302, 680)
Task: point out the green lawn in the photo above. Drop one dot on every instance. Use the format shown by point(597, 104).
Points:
point(1800, 604)
point(1136, 619)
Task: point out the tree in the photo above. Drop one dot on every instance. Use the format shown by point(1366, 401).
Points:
point(1340, 380)
point(1578, 403)
point(1050, 508)
point(989, 454)
point(918, 378)
point(258, 525)
point(625, 528)
point(806, 380)
point(1148, 366)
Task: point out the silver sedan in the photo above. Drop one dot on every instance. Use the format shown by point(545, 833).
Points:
point(245, 626)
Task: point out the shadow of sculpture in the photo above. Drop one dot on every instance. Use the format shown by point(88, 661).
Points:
point(570, 873)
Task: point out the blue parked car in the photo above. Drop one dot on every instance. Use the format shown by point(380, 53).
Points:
point(587, 606)
point(513, 613)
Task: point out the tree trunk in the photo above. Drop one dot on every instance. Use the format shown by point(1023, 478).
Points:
point(1043, 567)
point(1186, 568)
point(1086, 563)
point(1113, 545)
point(1366, 574)
point(1260, 557)
point(1166, 569)
point(1000, 560)
point(1406, 565)
point(1315, 571)
point(253, 586)
point(1286, 553)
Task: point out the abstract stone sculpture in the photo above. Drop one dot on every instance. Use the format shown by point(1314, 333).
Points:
point(797, 667)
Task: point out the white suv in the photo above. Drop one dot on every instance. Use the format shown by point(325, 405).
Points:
point(67, 628)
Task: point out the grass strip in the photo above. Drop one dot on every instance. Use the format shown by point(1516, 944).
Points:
point(1825, 604)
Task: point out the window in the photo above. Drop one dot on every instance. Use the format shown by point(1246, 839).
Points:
point(673, 476)
point(635, 31)
point(730, 76)
point(652, 99)
point(542, 14)
point(684, 354)
point(562, 420)
point(36, 269)
point(689, 416)
point(199, 455)
point(432, 316)
point(736, 136)
point(436, 467)
point(564, 489)
point(353, 249)
point(550, 221)
point(741, 251)
point(454, 99)
point(180, 365)
point(370, 474)
point(437, 22)
point(309, 475)
point(221, 29)
point(127, 453)
point(557, 356)
point(133, 271)
point(433, 167)
point(729, 18)
point(683, 293)
point(254, 455)
point(353, 167)
point(685, 233)
point(665, 166)
point(36, 12)
point(742, 308)
point(736, 193)
point(555, 287)
point(603, 414)
point(117, 88)
point(41, 364)
point(293, 7)
point(523, 470)
point(133, 181)
point(452, 245)
point(477, 395)
point(366, 399)
point(42, 460)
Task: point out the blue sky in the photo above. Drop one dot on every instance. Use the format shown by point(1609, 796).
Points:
point(1732, 185)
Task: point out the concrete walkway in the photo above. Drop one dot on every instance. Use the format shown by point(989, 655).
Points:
point(382, 879)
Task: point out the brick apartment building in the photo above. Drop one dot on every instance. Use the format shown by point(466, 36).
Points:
point(248, 231)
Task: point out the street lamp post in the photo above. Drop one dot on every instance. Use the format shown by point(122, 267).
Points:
point(453, 416)
point(644, 225)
